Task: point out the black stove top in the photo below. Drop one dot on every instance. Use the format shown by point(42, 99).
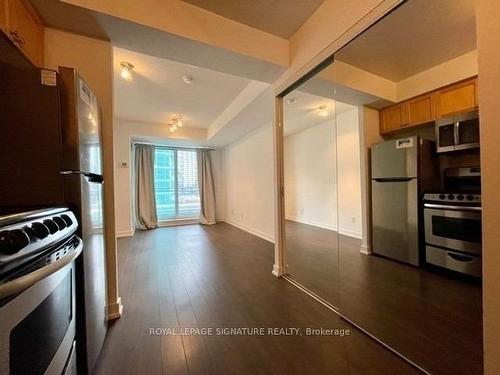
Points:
point(462, 198)
point(27, 235)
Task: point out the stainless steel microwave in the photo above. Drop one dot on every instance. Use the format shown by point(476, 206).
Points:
point(459, 132)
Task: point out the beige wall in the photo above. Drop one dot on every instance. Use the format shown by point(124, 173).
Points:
point(248, 183)
point(93, 59)
point(488, 29)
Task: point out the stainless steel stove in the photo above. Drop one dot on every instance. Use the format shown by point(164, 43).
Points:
point(452, 221)
point(38, 250)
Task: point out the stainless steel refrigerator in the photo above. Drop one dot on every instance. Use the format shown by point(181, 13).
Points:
point(401, 171)
point(83, 188)
point(51, 154)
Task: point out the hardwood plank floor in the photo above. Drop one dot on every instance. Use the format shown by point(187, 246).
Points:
point(220, 276)
point(432, 319)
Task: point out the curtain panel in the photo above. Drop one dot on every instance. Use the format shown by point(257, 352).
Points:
point(206, 187)
point(145, 188)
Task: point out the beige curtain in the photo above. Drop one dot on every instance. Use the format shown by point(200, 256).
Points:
point(206, 187)
point(145, 187)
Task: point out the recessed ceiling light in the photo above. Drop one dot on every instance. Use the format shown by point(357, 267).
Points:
point(323, 112)
point(175, 123)
point(127, 69)
point(187, 79)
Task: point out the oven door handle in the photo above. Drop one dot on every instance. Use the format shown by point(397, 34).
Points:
point(24, 282)
point(452, 208)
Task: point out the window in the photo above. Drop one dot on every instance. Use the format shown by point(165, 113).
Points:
point(176, 184)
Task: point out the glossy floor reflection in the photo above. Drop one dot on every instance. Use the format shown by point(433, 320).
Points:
point(313, 259)
point(434, 320)
point(220, 276)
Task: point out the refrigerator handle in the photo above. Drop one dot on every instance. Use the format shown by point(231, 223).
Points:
point(393, 179)
point(91, 177)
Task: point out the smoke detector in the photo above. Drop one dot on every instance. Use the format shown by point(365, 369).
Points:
point(187, 79)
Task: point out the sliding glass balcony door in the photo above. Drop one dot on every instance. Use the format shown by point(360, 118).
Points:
point(176, 184)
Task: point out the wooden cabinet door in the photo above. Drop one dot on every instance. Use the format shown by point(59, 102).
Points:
point(3, 15)
point(419, 110)
point(392, 118)
point(26, 30)
point(461, 97)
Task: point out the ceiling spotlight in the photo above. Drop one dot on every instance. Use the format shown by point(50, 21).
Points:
point(127, 69)
point(323, 112)
point(178, 121)
point(187, 79)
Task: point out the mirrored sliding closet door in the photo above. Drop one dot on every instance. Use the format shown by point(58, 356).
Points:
point(310, 179)
point(382, 185)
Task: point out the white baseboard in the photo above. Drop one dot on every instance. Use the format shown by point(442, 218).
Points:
point(345, 232)
point(312, 222)
point(364, 249)
point(173, 223)
point(253, 231)
point(125, 233)
point(276, 271)
point(114, 310)
point(350, 233)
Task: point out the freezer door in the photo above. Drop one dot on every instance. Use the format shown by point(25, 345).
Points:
point(395, 158)
point(395, 220)
point(89, 127)
point(81, 124)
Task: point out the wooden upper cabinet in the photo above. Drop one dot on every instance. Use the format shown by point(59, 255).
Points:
point(419, 110)
point(461, 97)
point(25, 29)
point(3, 15)
point(392, 118)
point(423, 109)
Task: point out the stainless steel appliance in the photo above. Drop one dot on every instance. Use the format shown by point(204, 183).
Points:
point(50, 126)
point(38, 250)
point(459, 132)
point(401, 171)
point(453, 224)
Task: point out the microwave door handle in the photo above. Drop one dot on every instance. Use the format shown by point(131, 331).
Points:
point(24, 282)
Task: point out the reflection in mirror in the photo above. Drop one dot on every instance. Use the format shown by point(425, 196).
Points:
point(413, 279)
point(310, 170)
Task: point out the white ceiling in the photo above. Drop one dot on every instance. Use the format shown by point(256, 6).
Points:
point(157, 92)
point(279, 17)
point(415, 37)
point(305, 112)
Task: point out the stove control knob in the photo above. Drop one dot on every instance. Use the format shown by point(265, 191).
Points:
point(460, 197)
point(469, 197)
point(442, 196)
point(13, 241)
point(67, 220)
point(60, 222)
point(51, 225)
point(451, 197)
point(39, 230)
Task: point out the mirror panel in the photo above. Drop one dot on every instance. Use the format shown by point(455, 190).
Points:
point(310, 170)
point(390, 281)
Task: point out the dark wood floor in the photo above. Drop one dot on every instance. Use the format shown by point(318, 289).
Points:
point(434, 320)
point(220, 276)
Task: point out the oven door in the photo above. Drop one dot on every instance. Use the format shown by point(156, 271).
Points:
point(453, 227)
point(37, 326)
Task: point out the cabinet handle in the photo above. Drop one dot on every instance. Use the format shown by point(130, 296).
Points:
point(19, 40)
